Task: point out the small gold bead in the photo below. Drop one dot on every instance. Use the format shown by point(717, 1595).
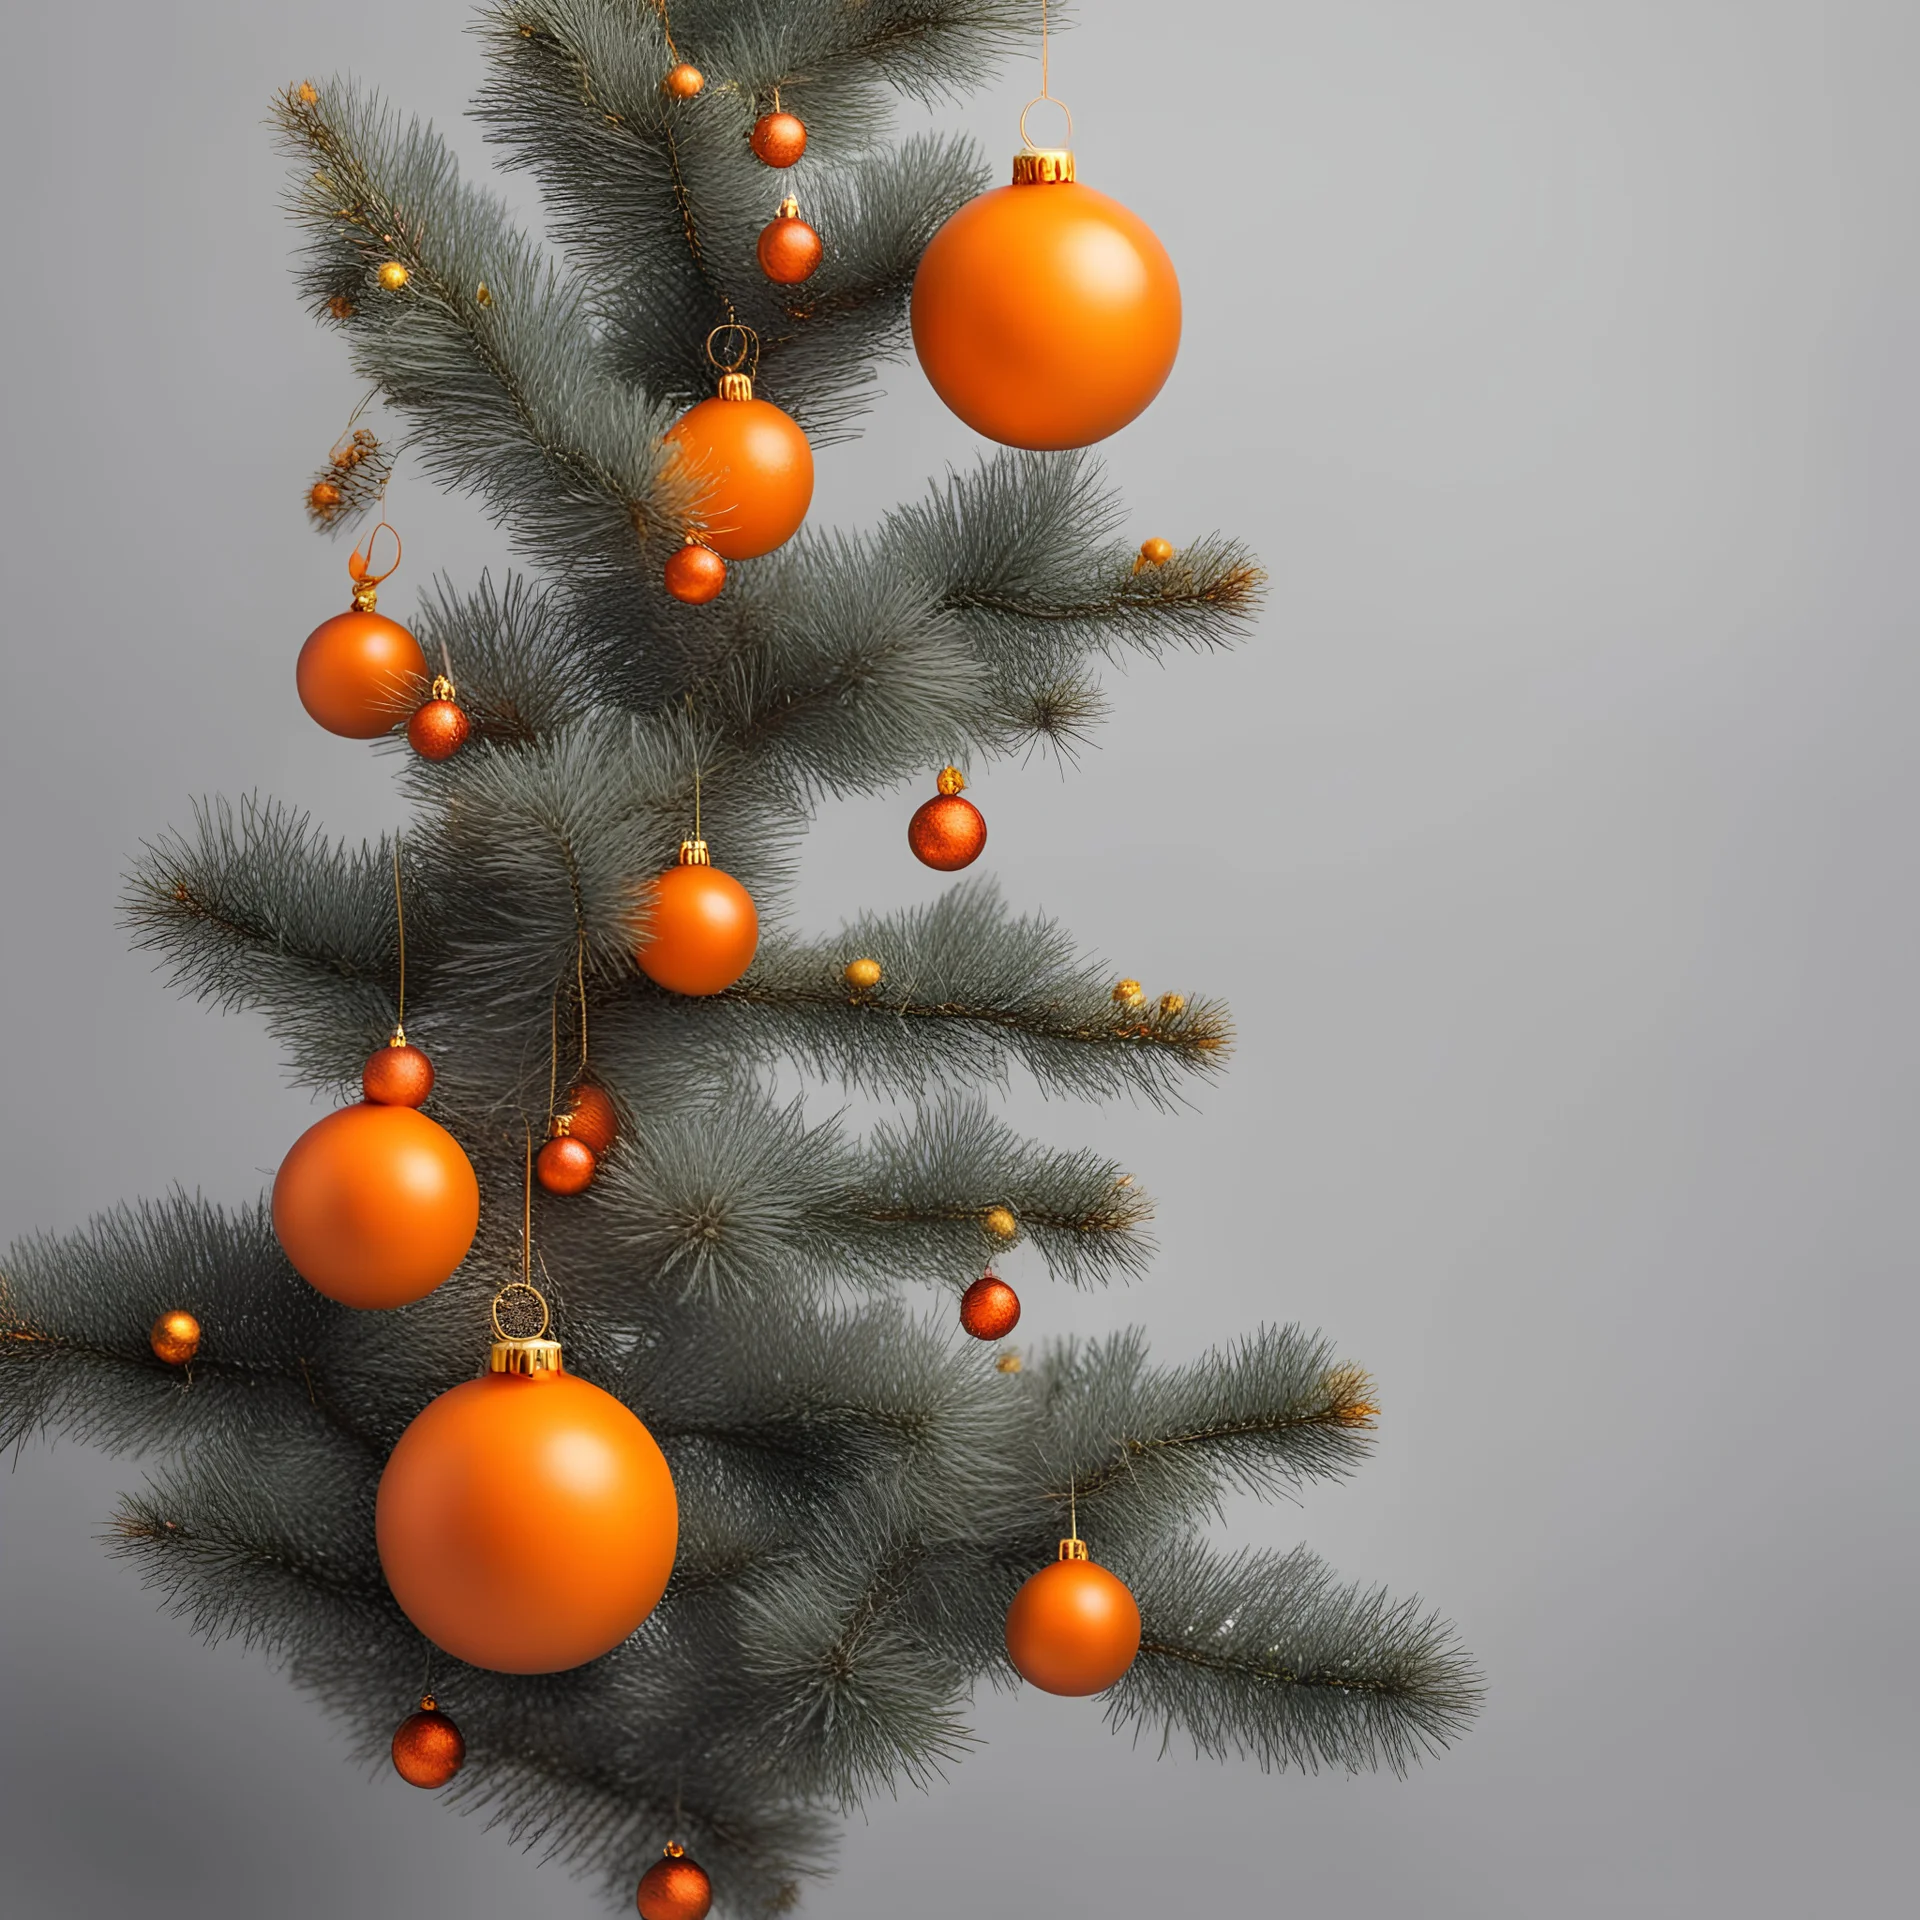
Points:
point(175, 1337)
point(1008, 1362)
point(1000, 1221)
point(393, 275)
point(1172, 1003)
point(1127, 993)
point(951, 780)
point(862, 975)
point(483, 294)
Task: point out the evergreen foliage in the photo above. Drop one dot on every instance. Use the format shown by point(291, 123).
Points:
point(861, 1490)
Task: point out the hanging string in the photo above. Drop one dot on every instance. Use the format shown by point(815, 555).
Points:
point(400, 924)
point(666, 27)
point(580, 975)
point(526, 1218)
point(1073, 1507)
point(553, 1054)
point(1046, 89)
point(426, 1683)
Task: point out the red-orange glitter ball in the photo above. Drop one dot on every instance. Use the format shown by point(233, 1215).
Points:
point(427, 1747)
point(695, 574)
point(947, 832)
point(565, 1165)
point(789, 250)
point(438, 730)
point(989, 1309)
point(175, 1337)
point(674, 1888)
point(591, 1116)
point(397, 1077)
point(778, 138)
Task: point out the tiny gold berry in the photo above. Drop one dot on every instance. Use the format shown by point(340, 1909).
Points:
point(861, 975)
point(175, 1337)
point(323, 496)
point(1127, 993)
point(483, 294)
point(1172, 1003)
point(1000, 1221)
point(309, 93)
point(1153, 553)
point(393, 275)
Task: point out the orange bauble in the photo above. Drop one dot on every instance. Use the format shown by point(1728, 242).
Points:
point(778, 139)
point(397, 1076)
point(439, 729)
point(789, 249)
point(175, 1337)
point(359, 673)
point(684, 81)
point(989, 1309)
point(375, 1205)
point(565, 1165)
point(674, 1888)
point(1073, 1628)
point(526, 1521)
point(592, 1116)
point(702, 927)
point(755, 468)
point(427, 1747)
point(1045, 314)
point(947, 832)
point(695, 574)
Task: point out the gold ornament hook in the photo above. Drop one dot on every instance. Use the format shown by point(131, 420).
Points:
point(517, 1288)
point(1060, 157)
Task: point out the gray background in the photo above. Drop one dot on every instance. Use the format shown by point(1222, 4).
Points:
point(1551, 839)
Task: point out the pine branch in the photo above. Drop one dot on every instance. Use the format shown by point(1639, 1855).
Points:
point(1269, 1657)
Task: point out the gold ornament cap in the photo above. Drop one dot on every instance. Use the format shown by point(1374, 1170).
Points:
point(951, 781)
point(442, 688)
point(524, 1353)
point(1043, 167)
point(736, 386)
point(693, 853)
point(1074, 1549)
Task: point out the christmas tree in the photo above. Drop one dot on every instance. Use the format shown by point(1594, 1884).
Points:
point(862, 1489)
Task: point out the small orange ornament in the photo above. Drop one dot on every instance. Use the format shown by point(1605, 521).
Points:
point(427, 1747)
point(989, 1309)
point(1074, 1627)
point(674, 1887)
point(684, 81)
point(526, 1520)
point(375, 1205)
point(947, 832)
point(438, 729)
point(564, 1164)
point(1153, 553)
point(695, 573)
point(397, 1075)
point(756, 464)
point(702, 926)
point(592, 1116)
point(789, 249)
point(357, 672)
point(323, 496)
point(1045, 314)
point(175, 1337)
point(778, 139)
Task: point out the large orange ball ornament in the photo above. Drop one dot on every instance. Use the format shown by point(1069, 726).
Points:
point(1045, 314)
point(757, 470)
point(376, 1205)
point(702, 931)
point(1074, 1627)
point(359, 674)
point(526, 1522)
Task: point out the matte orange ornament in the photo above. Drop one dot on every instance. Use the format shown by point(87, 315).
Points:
point(755, 465)
point(702, 928)
point(427, 1747)
point(397, 1075)
point(989, 1309)
point(592, 1116)
point(695, 573)
point(947, 832)
point(564, 1164)
point(1045, 314)
point(789, 249)
point(175, 1337)
point(359, 673)
point(526, 1520)
point(779, 139)
point(684, 81)
point(376, 1205)
point(1074, 1627)
point(439, 729)
point(674, 1887)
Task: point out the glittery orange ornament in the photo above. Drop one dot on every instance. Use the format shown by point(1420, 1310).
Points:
point(702, 927)
point(695, 574)
point(592, 1116)
point(789, 249)
point(526, 1520)
point(397, 1075)
point(427, 1747)
point(1074, 1627)
point(778, 139)
point(989, 1309)
point(674, 1887)
point(1045, 314)
point(175, 1337)
point(564, 1164)
point(439, 727)
point(947, 832)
